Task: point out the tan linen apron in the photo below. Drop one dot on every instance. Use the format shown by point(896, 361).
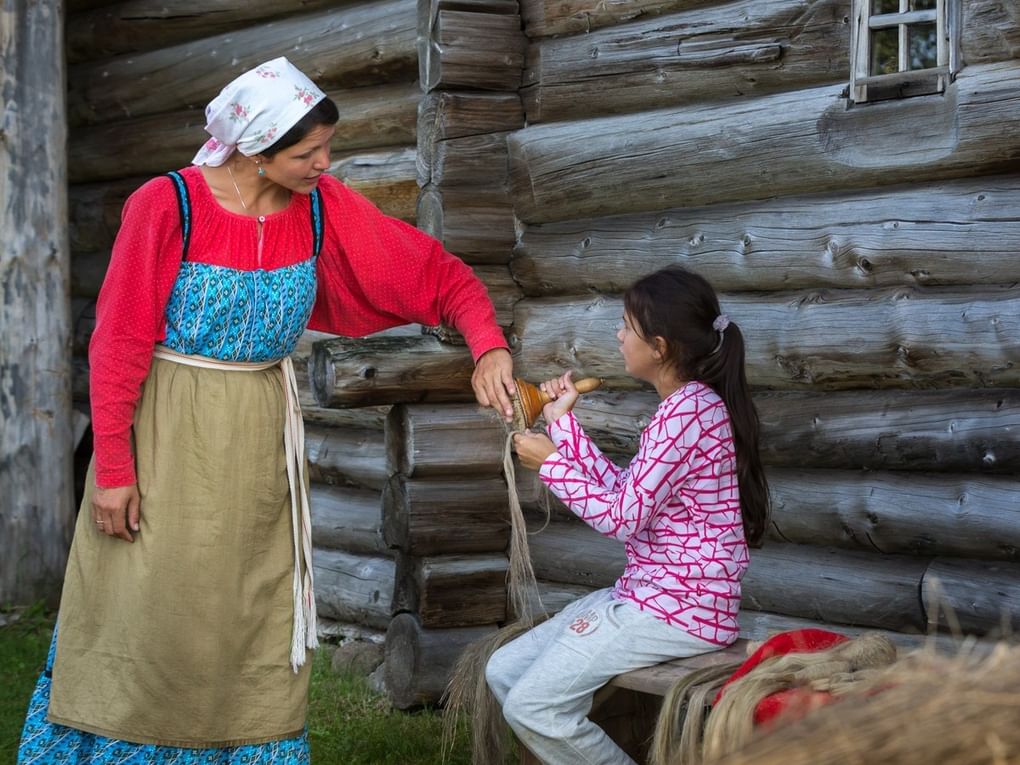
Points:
point(184, 637)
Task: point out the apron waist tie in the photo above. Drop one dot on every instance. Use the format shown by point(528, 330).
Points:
point(304, 632)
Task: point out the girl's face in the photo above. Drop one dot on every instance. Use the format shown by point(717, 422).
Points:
point(640, 359)
point(298, 167)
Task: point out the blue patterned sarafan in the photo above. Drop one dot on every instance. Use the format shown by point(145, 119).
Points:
point(231, 315)
point(46, 743)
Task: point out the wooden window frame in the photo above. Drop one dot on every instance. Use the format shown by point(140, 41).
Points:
point(865, 87)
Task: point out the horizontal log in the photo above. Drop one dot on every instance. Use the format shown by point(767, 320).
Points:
point(347, 519)
point(904, 338)
point(354, 588)
point(475, 224)
point(452, 590)
point(464, 49)
point(836, 586)
point(443, 517)
point(788, 143)
point(760, 626)
point(94, 213)
point(387, 177)
point(419, 662)
point(948, 233)
point(139, 25)
point(553, 597)
point(544, 18)
point(357, 45)
point(738, 49)
point(389, 370)
point(990, 31)
point(893, 512)
point(503, 291)
point(370, 118)
point(474, 160)
point(88, 269)
point(452, 114)
point(349, 456)
point(461, 441)
point(967, 596)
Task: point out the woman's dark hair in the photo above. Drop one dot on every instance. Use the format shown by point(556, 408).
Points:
point(323, 113)
point(680, 307)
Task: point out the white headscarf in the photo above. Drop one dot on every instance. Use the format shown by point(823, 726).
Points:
point(255, 110)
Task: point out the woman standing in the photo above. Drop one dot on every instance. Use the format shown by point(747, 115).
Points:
point(188, 605)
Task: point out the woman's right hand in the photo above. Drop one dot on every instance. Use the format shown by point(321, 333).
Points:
point(563, 394)
point(116, 511)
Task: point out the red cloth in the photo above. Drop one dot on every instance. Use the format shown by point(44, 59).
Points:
point(374, 272)
point(793, 701)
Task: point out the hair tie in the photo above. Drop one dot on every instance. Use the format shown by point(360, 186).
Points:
point(722, 321)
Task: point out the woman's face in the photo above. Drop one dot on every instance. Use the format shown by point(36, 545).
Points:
point(298, 167)
point(639, 357)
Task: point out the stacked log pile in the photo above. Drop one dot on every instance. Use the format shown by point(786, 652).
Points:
point(867, 254)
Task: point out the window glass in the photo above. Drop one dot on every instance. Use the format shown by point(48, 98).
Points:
point(885, 6)
point(885, 48)
point(923, 46)
point(922, 5)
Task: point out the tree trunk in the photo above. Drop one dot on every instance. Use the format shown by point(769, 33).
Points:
point(440, 517)
point(419, 662)
point(803, 141)
point(739, 49)
point(444, 441)
point(933, 234)
point(832, 340)
point(36, 486)
point(349, 520)
point(358, 45)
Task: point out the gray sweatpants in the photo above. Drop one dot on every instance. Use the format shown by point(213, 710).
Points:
point(546, 678)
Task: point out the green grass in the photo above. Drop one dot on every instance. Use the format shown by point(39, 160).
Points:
point(349, 724)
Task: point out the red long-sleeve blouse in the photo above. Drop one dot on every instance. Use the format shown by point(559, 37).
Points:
point(374, 272)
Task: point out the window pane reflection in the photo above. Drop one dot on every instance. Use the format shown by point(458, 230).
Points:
point(922, 5)
point(886, 6)
point(923, 46)
point(885, 51)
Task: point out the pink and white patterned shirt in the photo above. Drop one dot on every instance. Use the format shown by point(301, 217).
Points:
point(676, 507)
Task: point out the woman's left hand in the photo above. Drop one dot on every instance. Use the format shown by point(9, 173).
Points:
point(533, 448)
point(493, 381)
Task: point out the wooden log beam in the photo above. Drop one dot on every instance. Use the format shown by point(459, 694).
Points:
point(387, 177)
point(452, 590)
point(474, 160)
point(452, 114)
point(36, 422)
point(962, 516)
point(364, 44)
point(140, 25)
point(427, 441)
point(831, 340)
point(478, 46)
point(968, 596)
point(961, 431)
point(348, 519)
point(370, 118)
point(354, 588)
point(544, 18)
point(990, 31)
point(346, 456)
point(837, 586)
point(94, 212)
point(389, 370)
point(441, 517)
point(477, 224)
point(735, 50)
point(799, 142)
point(419, 662)
point(932, 234)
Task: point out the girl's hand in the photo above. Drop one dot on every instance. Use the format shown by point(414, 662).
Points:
point(533, 448)
point(563, 394)
point(115, 512)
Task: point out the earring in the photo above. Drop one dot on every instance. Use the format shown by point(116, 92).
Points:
point(262, 170)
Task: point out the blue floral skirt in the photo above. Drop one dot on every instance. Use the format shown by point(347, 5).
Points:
point(45, 743)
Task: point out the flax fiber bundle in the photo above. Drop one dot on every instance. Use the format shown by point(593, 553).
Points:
point(926, 709)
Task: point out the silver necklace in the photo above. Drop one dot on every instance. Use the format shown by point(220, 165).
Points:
point(233, 181)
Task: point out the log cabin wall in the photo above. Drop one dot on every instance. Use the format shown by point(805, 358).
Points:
point(140, 74)
point(867, 252)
